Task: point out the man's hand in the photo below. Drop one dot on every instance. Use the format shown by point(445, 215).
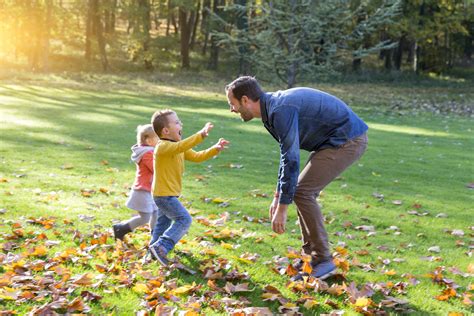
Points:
point(279, 218)
point(221, 144)
point(206, 129)
point(273, 207)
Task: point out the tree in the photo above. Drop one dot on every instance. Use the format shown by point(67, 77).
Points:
point(187, 14)
point(145, 14)
point(94, 27)
point(243, 26)
point(292, 39)
point(205, 23)
point(216, 19)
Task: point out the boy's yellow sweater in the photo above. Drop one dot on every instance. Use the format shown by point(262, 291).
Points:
point(169, 159)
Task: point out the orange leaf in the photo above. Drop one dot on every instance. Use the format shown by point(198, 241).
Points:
point(342, 251)
point(446, 295)
point(85, 279)
point(291, 271)
point(307, 268)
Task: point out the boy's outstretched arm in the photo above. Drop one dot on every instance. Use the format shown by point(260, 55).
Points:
point(203, 155)
point(171, 148)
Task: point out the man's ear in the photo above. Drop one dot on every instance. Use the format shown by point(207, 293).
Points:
point(244, 99)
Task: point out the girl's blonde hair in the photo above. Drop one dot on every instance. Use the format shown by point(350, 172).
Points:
point(144, 132)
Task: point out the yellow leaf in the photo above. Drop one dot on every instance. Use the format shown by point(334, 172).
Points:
point(218, 200)
point(184, 289)
point(39, 251)
point(140, 288)
point(308, 304)
point(390, 272)
point(293, 254)
point(209, 252)
point(226, 245)
point(362, 302)
point(289, 305)
point(247, 261)
point(8, 293)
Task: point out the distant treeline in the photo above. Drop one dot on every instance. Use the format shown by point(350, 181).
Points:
point(288, 39)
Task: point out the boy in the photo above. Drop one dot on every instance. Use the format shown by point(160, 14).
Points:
point(170, 152)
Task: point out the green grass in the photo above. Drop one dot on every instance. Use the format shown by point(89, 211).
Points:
point(58, 131)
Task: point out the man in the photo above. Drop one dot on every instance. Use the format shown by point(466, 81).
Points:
point(309, 119)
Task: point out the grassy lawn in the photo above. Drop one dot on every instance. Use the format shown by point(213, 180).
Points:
point(400, 220)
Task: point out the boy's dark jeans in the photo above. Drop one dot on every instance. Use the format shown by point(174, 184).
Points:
point(321, 168)
point(172, 224)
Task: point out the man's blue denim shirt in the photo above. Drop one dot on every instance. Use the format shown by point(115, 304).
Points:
point(309, 119)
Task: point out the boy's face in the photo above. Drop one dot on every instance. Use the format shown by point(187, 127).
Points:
point(173, 129)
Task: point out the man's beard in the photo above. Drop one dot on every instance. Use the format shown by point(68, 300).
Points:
point(246, 116)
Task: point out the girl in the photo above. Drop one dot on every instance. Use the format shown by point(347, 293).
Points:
point(140, 198)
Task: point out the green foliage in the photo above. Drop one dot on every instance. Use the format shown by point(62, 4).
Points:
point(296, 40)
point(301, 38)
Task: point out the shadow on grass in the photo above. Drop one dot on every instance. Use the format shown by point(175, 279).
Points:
point(106, 121)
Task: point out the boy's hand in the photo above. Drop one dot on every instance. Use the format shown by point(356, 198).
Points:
point(220, 146)
point(206, 129)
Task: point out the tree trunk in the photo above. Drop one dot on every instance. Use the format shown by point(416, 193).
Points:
point(146, 22)
point(186, 19)
point(293, 67)
point(88, 50)
point(99, 30)
point(214, 57)
point(398, 54)
point(175, 24)
point(356, 64)
point(47, 34)
point(388, 59)
point(112, 16)
point(243, 26)
point(156, 17)
point(195, 25)
point(206, 7)
point(416, 52)
point(107, 16)
point(469, 40)
point(168, 18)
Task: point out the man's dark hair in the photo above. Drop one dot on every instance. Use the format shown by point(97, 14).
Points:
point(245, 85)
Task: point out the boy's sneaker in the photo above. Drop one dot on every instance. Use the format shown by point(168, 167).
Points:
point(299, 265)
point(324, 270)
point(120, 230)
point(321, 271)
point(159, 253)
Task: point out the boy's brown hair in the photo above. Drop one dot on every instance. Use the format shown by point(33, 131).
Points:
point(159, 120)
